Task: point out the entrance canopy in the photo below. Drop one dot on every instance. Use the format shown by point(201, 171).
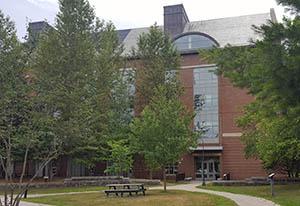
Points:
point(207, 148)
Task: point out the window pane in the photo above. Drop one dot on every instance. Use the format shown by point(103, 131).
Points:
point(193, 42)
point(206, 101)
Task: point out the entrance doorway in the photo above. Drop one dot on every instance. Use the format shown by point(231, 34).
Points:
point(211, 168)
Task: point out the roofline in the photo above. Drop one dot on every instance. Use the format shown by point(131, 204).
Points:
point(36, 22)
point(269, 13)
point(233, 17)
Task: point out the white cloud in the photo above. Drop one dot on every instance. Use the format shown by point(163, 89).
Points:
point(51, 5)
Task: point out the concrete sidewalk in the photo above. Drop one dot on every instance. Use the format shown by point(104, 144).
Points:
point(32, 204)
point(22, 203)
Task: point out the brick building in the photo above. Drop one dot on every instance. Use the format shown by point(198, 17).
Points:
point(214, 99)
point(216, 102)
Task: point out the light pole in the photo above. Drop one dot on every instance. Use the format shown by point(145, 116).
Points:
point(202, 130)
point(203, 178)
point(199, 103)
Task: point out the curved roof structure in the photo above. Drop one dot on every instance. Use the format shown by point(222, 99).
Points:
point(236, 31)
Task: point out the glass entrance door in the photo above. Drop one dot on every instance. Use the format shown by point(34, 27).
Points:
point(211, 168)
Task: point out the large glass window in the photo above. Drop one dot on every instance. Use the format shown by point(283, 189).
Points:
point(193, 42)
point(172, 169)
point(206, 101)
point(124, 92)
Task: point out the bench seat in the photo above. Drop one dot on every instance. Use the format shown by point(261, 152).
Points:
point(122, 191)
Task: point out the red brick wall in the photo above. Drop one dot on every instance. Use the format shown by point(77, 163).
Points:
point(141, 171)
point(231, 102)
point(187, 166)
point(186, 78)
point(233, 161)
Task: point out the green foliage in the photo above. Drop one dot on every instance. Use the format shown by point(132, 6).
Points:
point(270, 70)
point(158, 90)
point(120, 158)
point(158, 63)
point(20, 129)
point(162, 134)
point(15, 106)
point(292, 5)
point(75, 67)
point(21, 134)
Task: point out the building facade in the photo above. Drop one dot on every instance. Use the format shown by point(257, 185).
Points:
point(215, 101)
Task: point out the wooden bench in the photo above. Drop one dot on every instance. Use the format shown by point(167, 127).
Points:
point(125, 188)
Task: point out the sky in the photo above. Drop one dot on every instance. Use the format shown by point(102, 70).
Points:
point(136, 13)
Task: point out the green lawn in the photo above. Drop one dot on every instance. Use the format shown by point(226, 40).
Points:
point(62, 190)
point(285, 195)
point(152, 198)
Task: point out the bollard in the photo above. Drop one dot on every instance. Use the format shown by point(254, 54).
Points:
point(271, 177)
point(25, 193)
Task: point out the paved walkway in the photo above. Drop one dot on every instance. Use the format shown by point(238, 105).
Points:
point(240, 200)
point(32, 204)
point(51, 194)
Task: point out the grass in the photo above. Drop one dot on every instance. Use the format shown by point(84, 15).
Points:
point(61, 190)
point(285, 195)
point(78, 189)
point(152, 198)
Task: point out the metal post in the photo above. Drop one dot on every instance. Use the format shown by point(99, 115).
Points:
point(203, 178)
point(271, 177)
point(25, 193)
point(272, 187)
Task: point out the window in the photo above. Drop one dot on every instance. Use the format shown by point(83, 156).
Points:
point(171, 76)
point(206, 101)
point(171, 169)
point(128, 78)
point(194, 42)
point(123, 93)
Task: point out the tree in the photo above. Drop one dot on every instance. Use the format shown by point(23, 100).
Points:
point(157, 64)
point(269, 69)
point(163, 133)
point(120, 158)
point(76, 65)
point(21, 133)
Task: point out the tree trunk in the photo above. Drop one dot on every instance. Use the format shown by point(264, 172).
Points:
point(165, 181)
point(68, 167)
point(150, 174)
point(24, 166)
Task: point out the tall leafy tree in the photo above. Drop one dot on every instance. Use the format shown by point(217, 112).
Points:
point(269, 69)
point(157, 64)
point(20, 131)
point(76, 65)
point(162, 133)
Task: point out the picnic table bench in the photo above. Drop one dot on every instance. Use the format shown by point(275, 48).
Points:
point(125, 188)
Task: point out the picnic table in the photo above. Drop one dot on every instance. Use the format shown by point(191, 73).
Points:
point(125, 188)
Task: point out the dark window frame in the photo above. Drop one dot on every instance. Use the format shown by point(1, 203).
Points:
point(194, 50)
